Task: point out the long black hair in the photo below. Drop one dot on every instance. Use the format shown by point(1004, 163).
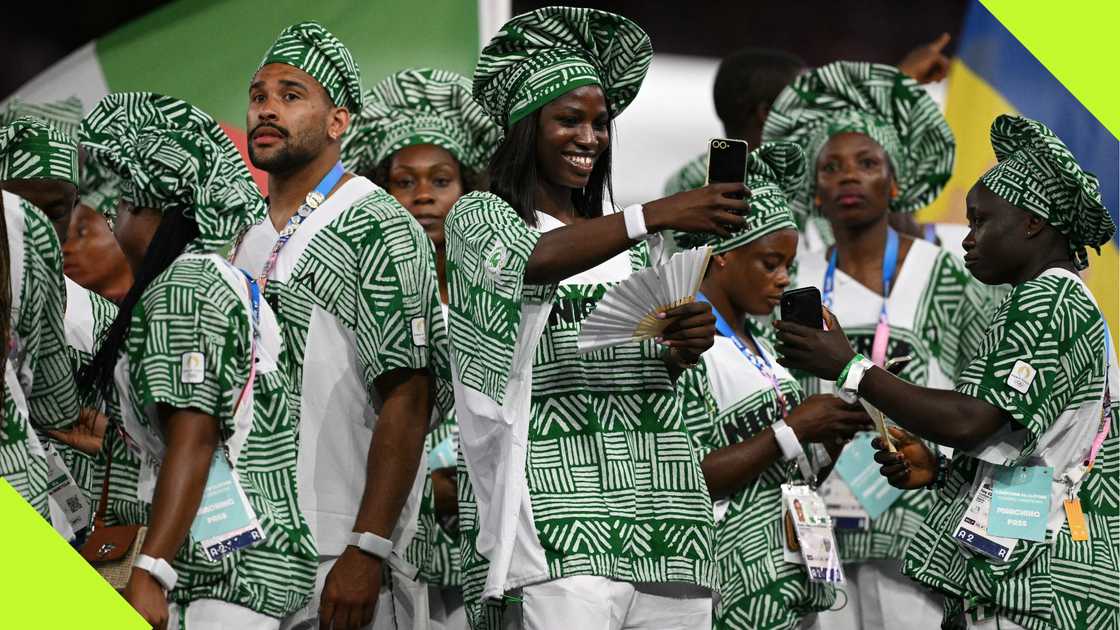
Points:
point(513, 173)
point(175, 231)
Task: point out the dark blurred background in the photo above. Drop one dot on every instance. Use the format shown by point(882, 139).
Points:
point(37, 34)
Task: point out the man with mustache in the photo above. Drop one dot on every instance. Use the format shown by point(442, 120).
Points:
point(352, 279)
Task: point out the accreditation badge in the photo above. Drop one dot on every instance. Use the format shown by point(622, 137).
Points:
point(225, 521)
point(812, 527)
point(972, 532)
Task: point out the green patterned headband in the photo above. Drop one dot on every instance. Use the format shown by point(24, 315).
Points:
point(541, 55)
point(1037, 173)
point(879, 101)
point(166, 154)
point(32, 149)
point(420, 106)
point(775, 170)
point(313, 49)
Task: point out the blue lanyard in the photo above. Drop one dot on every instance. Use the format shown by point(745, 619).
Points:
point(254, 302)
point(890, 260)
point(930, 233)
point(313, 200)
point(760, 361)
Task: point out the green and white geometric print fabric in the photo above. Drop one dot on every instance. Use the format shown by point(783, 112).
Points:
point(540, 55)
point(775, 171)
point(876, 100)
point(33, 149)
point(312, 48)
point(420, 106)
point(170, 154)
point(64, 115)
point(1037, 173)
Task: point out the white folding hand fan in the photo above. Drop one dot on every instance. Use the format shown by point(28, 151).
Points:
point(628, 311)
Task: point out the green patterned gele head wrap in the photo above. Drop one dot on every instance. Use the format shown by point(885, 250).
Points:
point(1036, 172)
point(775, 171)
point(33, 149)
point(64, 115)
point(98, 187)
point(420, 106)
point(165, 154)
point(880, 102)
point(313, 49)
point(540, 55)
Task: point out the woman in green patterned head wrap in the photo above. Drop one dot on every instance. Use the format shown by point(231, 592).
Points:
point(731, 407)
point(877, 145)
point(40, 164)
point(563, 501)
point(1033, 420)
point(204, 400)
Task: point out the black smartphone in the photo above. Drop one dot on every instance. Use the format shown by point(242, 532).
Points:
point(803, 306)
point(727, 161)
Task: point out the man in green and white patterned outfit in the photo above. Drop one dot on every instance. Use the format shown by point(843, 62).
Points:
point(1033, 414)
point(423, 137)
point(352, 278)
point(39, 393)
point(197, 360)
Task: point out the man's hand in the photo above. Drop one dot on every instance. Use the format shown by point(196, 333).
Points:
point(87, 433)
point(349, 598)
point(913, 466)
point(927, 63)
point(146, 597)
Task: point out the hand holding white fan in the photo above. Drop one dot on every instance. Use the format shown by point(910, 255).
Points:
point(628, 311)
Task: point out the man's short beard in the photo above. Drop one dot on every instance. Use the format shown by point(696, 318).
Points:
point(286, 160)
point(298, 151)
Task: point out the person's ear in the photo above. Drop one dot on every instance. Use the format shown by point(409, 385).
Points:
point(1033, 225)
point(719, 260)
point(339, 121)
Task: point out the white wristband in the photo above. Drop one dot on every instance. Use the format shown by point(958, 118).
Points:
point(850, 386)
point(159, 570)
point(371, 543)
point(635, 217)
point(791, 448)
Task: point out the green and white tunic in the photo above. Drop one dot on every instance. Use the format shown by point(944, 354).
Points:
point(88, 316)
point(39, 362)
point(726, 401)
point(201, 305)
point(356, 294)
point(1052, 324)
point(578, 464)
point(937, 313)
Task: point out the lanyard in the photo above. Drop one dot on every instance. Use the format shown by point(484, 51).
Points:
point(255, 305)
point(313, 200)
point(882, 329)
point(1106, 410)
point(761, 363)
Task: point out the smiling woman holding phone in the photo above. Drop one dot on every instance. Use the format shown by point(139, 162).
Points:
point(585, 498)
point(876, 144)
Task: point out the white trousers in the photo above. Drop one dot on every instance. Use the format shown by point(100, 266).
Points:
point(445, 604)
point(880, 597)
point(590, 602)
point(214, 614)
point(401, 605)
